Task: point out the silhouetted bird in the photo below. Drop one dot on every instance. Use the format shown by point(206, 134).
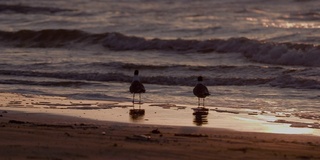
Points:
point(201, 91)
point(137, 86)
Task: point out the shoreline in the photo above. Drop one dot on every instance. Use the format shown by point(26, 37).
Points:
point(159, 114)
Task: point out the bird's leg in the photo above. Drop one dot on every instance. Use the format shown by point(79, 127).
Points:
point(203, 103)
point(133, 100)
point(198, 102)
point(139, 100)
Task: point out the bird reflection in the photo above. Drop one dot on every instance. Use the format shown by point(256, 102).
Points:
point(200, 119)
point(136, 117)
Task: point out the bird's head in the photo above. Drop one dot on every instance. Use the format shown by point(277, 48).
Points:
point(136, 72)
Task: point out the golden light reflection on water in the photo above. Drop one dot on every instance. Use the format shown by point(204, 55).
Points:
point(282, 23)
point(286, 129)
point(266, 124)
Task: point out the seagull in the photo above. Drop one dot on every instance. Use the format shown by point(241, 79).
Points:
point(201, 91)
point(137, 86)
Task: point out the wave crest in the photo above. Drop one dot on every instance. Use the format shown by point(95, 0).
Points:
point(29, 9)
point(72, 79)
point(259, 51)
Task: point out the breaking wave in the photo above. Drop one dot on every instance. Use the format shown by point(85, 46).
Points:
point(23, 9)
point(258, 51)
point(45, 83)
point(75, 79)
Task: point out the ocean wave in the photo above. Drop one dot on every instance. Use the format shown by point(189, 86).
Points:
point(74, 79)
point(312, 15)
point(259, 51)
point(44, 38)
point(303, 0)
point(121, 66)
point(23, 9)
point(287, 81)
point(181, 68)
point(93, 96)
point(117, 77)
point(44, 83)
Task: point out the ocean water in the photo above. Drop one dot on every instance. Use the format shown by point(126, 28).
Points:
point(253, 54)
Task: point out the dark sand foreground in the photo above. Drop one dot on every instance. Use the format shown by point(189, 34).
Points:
point(44, 136)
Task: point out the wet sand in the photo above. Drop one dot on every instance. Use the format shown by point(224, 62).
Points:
point(30, 132)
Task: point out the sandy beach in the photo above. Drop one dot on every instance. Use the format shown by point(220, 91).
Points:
point(28, 132)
